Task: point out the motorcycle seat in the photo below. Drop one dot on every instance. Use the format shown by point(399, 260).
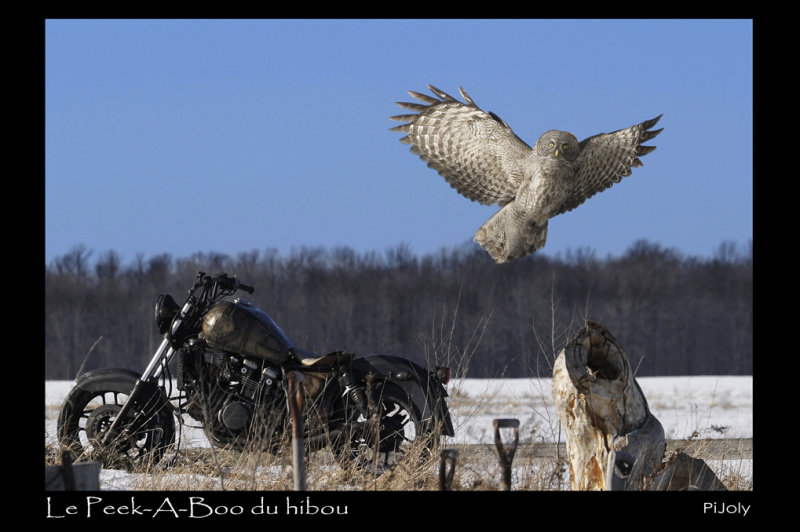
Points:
point(308, 358)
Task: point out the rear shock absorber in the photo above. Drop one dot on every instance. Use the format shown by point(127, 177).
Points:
point(355, 391)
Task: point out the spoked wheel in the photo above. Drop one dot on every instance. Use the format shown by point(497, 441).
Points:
point(393, 431)
point(89, 411)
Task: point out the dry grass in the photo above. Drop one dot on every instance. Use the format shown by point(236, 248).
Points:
point(233, 470)
point(205, 469)
point(243, 471)
point(248, 471)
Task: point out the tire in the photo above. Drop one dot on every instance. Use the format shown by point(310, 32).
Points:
point(401, 434)
point(91, 407)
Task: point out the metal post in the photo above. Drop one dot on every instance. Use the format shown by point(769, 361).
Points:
point(447, 469)
point(506, 452)
point(66, 468)
point(295, 399)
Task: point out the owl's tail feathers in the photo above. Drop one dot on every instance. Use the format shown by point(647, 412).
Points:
point(506, 237)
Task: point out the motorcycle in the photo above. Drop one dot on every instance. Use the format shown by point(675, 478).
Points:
point(235, 369)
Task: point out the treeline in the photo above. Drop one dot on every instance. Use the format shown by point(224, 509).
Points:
point(673, 315)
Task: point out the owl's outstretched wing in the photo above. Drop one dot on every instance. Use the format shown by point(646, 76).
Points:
point(475, 151)
point(606, 158)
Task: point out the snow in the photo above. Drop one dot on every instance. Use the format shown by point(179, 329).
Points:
point(707, 407)
point(716, 407)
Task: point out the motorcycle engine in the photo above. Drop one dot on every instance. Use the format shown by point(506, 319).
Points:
point(229, 386)
point(254, 384)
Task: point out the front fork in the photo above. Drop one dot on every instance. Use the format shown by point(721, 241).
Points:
point(146, 393)
point(145, 390)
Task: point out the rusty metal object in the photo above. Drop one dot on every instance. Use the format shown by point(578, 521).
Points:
point(447, 469)
point(506, 450)
point(295, 400)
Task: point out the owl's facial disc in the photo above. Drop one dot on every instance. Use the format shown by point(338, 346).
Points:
point(559, 145)
point(558, 149)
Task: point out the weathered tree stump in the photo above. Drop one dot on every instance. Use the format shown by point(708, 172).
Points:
point(613, 440)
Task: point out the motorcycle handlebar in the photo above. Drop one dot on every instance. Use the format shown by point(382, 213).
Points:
point(247, 288)
point(226, 283)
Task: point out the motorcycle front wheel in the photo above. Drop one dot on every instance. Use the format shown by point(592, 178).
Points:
point(92, 406)
point(395, 431)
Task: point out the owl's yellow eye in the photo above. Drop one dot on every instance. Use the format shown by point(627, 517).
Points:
point(550, 145)
point(565, 147)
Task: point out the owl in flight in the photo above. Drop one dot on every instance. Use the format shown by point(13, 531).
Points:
point(482, 158)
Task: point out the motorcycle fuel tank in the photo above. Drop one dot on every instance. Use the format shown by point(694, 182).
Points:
point(241, 328)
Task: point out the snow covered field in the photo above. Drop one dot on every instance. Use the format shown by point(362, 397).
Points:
point(716, 407)
point(713, 407)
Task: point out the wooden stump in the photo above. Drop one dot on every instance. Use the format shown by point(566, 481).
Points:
point(613, 441)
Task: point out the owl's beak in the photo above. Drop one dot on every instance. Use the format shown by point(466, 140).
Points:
point(556, 153)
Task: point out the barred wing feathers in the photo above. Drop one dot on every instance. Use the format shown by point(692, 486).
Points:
point(475, 151)
point(608, 157)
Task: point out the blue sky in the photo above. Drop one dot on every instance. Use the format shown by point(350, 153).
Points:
point(184, 136)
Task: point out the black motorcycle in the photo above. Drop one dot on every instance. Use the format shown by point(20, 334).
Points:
point(234, 368)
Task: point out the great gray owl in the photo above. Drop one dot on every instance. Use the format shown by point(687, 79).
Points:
point(482, 158)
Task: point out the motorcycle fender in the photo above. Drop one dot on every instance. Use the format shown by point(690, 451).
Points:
point(98, 379)
point(427, 394)
point(119, 375)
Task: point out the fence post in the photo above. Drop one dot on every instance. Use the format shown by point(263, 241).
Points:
point(295, 399)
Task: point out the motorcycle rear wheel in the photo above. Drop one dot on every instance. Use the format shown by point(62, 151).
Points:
point(399, 435)
point(92, 406)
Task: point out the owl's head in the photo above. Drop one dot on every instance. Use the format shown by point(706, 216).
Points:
point(557, 144)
